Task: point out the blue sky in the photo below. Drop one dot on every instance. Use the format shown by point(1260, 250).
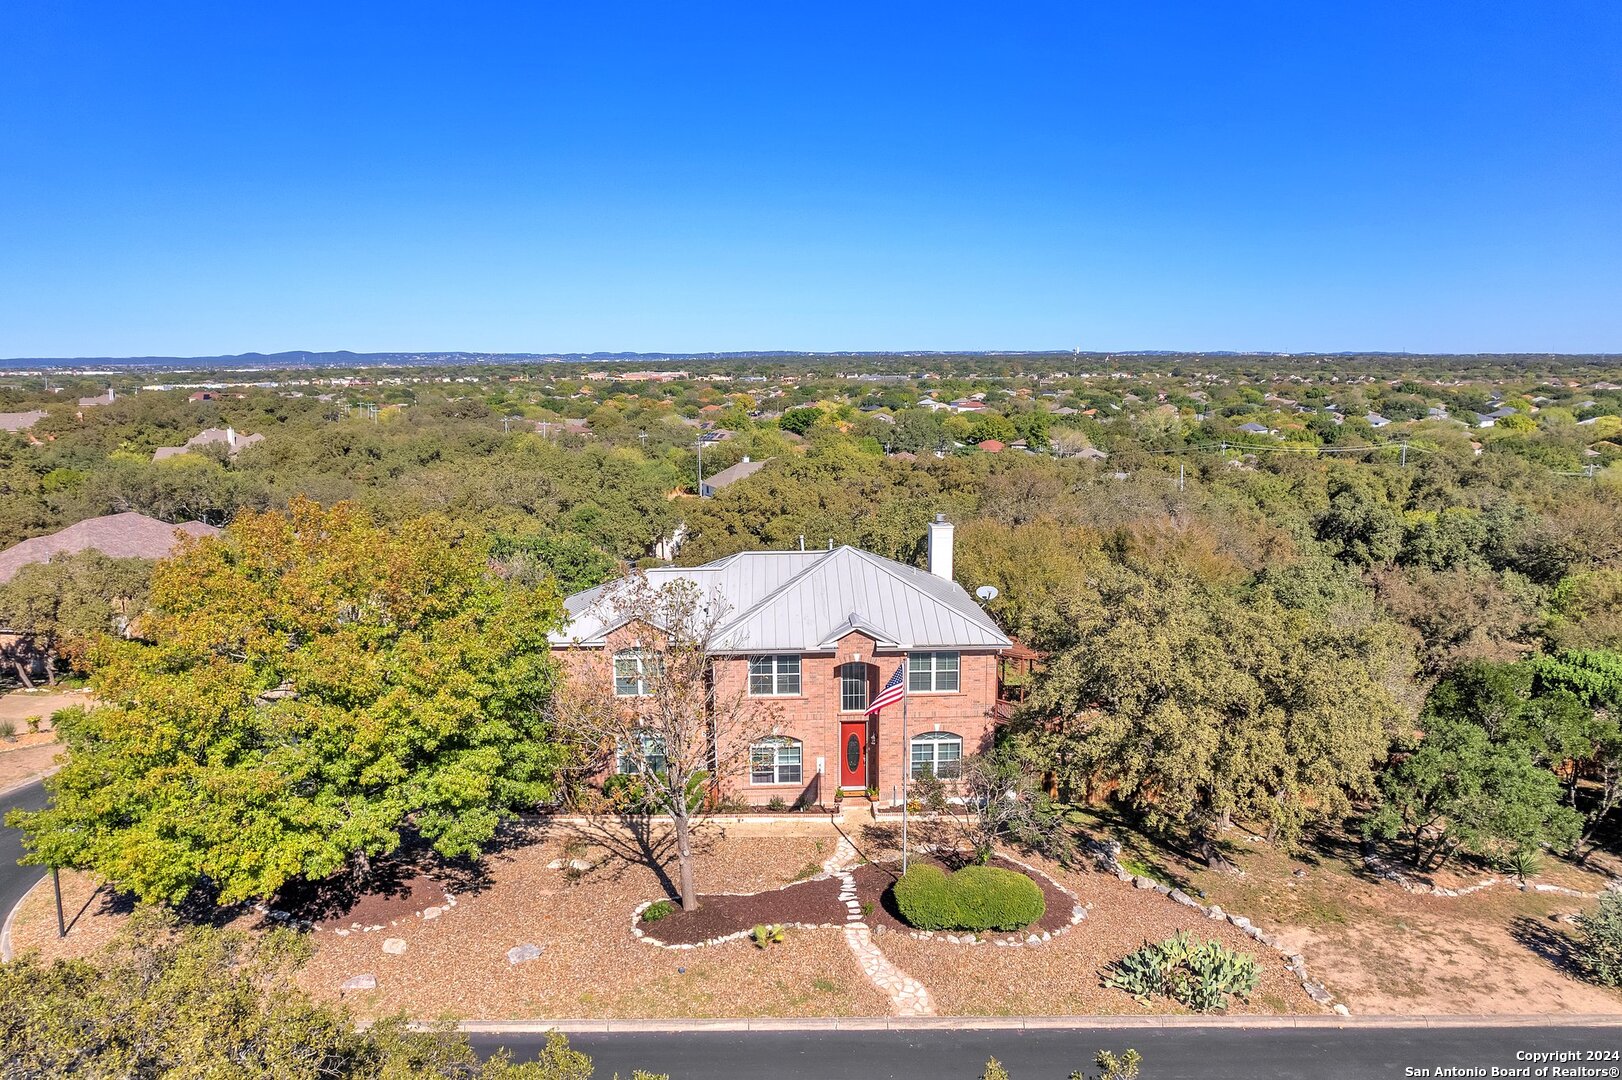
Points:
point(207, 178)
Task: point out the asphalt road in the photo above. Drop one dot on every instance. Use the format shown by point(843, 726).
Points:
point(1221, 1053)
point(16, 880)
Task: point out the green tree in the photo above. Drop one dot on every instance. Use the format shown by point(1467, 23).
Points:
point(1198, 705)
point(1476, 780)
point(69, 601)
point(800, 421)
point(311, 685)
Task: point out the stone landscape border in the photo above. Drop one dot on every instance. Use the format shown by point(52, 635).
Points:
point(1109, 854)
point(1385, 870)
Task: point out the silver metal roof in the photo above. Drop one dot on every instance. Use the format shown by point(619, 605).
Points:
point(805, 601)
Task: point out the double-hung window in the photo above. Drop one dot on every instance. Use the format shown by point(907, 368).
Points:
point(633, 671)
point(774, 676)
point(774, 761)
point(650, 753)
point(932, 672)
point(936, 753)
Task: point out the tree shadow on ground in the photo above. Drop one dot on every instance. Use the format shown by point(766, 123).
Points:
point(1545, 938)
point(414, 875)
point(639, 840)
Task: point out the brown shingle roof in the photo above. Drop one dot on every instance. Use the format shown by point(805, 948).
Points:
point(119, 536)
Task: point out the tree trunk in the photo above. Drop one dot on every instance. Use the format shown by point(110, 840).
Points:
point(684, 858)
point(50, 666)
point(22, 672)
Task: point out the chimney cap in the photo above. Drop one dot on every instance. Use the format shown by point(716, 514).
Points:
point(940, 518)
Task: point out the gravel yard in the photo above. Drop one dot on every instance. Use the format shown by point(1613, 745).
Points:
point(1062, 976)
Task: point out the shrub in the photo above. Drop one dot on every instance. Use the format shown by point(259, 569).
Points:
point(1600, 934)
point(1201, 976)
point(8, 729)
point(657, 910)
point(777, 805)
point(974, 898)
point(768, 935)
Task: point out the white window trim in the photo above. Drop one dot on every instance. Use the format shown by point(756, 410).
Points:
point(778, 743)
point(645, 737)
point(642, 676)
point(749, 675)
point(933, 739)
point(839, 677)
point(935, 671)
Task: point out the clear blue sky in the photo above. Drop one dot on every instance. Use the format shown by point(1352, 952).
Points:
point(221, 177)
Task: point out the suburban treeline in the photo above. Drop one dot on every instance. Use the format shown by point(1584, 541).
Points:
point(1394, 637)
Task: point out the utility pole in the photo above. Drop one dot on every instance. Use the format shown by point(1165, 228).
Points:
point(1403, 461)
point(701, 466)
point(642, 437)
point(1179, 476)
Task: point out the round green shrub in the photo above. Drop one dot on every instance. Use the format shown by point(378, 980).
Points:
point(973, 898)
point(658, 910)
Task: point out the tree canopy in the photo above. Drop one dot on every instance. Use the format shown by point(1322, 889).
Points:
point(309, 686)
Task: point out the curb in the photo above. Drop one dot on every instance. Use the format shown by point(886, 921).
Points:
point(11, 918)
point(1027, 1023)
point(14, 788)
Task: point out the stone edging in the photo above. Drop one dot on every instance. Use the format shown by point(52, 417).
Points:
point(648, 939)
point(1110, 857)
point(1387, 871)
point(432, 911)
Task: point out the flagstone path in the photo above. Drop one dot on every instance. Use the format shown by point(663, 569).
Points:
point(908, 996)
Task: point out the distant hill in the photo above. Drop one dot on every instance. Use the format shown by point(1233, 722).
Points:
point(343, 358)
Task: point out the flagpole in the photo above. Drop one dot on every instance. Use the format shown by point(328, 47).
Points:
point(906, 759)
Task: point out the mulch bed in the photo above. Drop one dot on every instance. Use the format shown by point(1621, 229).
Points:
point(817, 902)
point(813, 902)
point(875, 881)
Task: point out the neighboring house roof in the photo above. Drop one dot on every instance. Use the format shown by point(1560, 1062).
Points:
point(20, 421)
point(1254, 428)
point(733, 473)
point(991, 446)
point(119, 536)
point(804, 601)
point(1376, 420)
point(213, 436)
point(1091, 453)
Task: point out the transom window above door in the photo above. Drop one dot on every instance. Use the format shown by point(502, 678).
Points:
point(774, 676)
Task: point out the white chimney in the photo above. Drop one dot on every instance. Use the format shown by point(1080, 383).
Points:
point(940, 547)
point(746, 459)
point(230, 436)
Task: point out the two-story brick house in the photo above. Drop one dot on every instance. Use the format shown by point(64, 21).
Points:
point(817, 634)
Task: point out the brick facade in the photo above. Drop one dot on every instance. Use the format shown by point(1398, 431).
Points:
point(814, 717)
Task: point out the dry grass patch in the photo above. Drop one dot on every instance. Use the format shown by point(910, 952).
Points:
point(1381, 949)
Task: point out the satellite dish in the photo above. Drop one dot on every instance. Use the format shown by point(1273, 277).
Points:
point(986, 592)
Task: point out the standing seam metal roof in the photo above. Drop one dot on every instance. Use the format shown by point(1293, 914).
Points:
point(804, 601)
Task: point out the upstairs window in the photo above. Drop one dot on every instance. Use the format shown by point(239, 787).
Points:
point(633, 671)
point(932, 672)
point(853, 688)
point(774, 676)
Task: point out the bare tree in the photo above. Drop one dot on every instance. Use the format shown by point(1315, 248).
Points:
point(653, 707)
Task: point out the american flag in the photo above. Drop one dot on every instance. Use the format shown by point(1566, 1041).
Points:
point(893, 691)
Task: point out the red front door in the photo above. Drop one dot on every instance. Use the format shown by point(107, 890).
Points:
point(853, 753)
